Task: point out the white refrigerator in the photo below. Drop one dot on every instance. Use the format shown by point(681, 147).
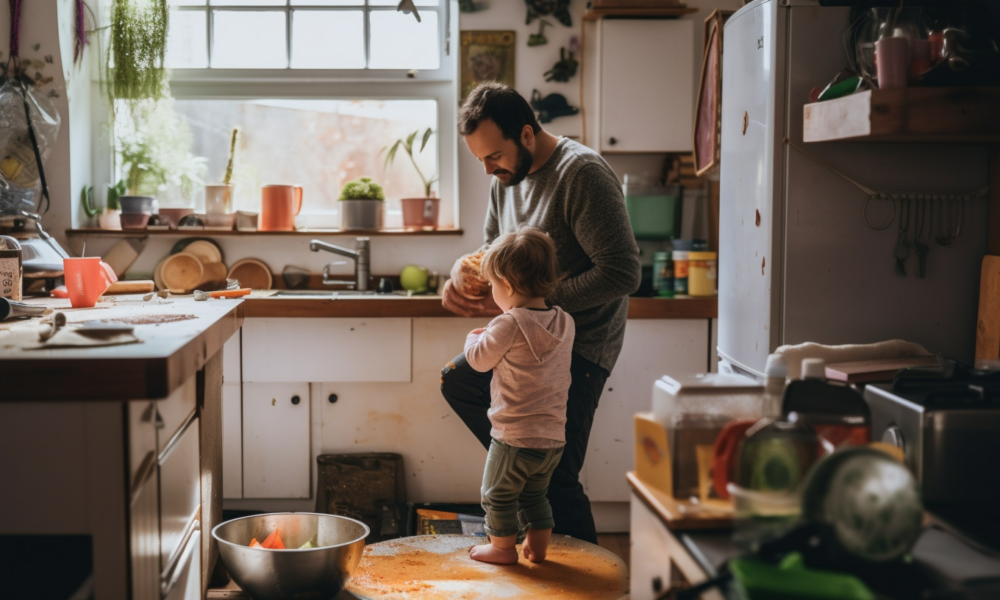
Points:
point(797, 261)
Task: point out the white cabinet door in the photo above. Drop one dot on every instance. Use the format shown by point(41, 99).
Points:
point(276, 456)
point(443, 460)
point(653, 348)
point(647, 85)
point(276, 350)
point(232, 440)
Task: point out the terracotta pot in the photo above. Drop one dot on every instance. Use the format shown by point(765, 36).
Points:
point(420, 213)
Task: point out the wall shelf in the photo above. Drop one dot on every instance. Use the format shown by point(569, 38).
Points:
point(96, 232)
point(940, 115)
point(636, 13)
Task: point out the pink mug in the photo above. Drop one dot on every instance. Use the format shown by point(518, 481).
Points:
point(278, 206)
point(86, 279)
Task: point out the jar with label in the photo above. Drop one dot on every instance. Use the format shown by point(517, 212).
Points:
point(10, 268)
point(663, 275)
point(680, 272)
point(702, 273)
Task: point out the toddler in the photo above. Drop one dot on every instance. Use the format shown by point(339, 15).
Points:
point(528, 348)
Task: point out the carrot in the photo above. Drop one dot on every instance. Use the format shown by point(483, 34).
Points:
point(255, 544)
point(273, 541)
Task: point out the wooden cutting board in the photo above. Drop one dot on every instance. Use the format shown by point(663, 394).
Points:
point(865, 371)
point(134, 286)
point(988, 323)
point(252, 274)
point(182, 272)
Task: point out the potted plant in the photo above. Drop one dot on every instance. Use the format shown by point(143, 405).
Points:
point(111, 217)
point(361, 205)
point(418, 213)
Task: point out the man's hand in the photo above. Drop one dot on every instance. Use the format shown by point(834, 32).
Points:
point(462, 306)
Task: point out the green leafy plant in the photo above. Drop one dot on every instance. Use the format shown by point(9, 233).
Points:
point(134, 62)
point(154, 150)
point(407, 145)
point(232, 155)
point(362, 189)
point(115, 192)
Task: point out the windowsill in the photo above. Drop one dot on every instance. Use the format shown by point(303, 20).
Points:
point(94, 231)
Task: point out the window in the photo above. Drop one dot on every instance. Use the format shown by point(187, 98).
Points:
point(305, 34)
point(318, 88)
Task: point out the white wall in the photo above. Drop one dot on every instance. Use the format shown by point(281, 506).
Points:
point(389, 254)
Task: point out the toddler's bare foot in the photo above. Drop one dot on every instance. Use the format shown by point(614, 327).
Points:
point(536, 544)
point(489, 553)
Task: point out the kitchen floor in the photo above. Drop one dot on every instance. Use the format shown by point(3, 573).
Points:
point(616, 543)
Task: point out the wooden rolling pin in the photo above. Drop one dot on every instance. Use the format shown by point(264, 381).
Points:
point(134, 286)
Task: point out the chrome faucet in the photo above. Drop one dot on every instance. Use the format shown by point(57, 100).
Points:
point(362, 262)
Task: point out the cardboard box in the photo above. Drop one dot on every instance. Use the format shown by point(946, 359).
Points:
point(652, 452)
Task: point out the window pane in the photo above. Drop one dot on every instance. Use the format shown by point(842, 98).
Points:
point(249, 40)
point(419, 3)
point(187, 40)
point(319, 144)
point(328, 2)
point(328, 39)
point(187, 3)
point(399, 42)
point(247, 2)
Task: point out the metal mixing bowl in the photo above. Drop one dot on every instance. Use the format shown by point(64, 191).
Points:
point(315, 573)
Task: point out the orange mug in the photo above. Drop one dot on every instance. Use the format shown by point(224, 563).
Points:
point(278, 206)
point(86, 279)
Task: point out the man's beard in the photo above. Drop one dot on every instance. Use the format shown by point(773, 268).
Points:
point(524, 162)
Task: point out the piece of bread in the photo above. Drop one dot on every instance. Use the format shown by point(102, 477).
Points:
point(470, 281)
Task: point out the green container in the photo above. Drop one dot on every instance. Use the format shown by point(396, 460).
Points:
point(653, 209)
point(791, 580)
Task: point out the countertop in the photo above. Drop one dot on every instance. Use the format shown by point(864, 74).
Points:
point(176, 338)
point(265, 304)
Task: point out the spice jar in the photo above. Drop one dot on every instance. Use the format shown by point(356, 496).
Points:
point(663, 274)
point(702, 273)
point(11, 268)
point(680, 272)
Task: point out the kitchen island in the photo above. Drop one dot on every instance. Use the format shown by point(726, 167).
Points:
point(110, 456)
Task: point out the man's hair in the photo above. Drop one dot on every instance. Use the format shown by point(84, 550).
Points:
point(527, 260)
point(498, 103)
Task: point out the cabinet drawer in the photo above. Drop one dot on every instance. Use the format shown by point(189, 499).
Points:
point(180, 489)
point(173, 411)
point(144, 537)
point(276, 350)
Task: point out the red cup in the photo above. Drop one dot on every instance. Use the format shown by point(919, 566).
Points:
point(86, 279)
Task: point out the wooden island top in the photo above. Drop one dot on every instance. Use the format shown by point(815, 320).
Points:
point(175, 340)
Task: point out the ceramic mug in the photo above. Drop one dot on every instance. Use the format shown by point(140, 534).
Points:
point(279, 204)
point(892, 62)
point(218, 199)
point(86, 279)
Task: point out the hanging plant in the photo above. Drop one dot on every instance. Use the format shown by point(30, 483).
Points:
point(137, 50)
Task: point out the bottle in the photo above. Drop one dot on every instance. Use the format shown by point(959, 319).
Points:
point(11, 268)
point(776, 373)
point(680, 272)
point(663, 275)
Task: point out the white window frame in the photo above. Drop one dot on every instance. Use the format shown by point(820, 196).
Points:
point(440, 85)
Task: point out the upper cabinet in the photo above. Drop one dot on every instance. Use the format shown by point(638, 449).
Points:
point(638, 85)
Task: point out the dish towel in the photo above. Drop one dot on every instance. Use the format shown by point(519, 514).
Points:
point(794, 355)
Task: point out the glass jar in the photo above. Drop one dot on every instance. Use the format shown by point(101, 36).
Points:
point(702, 274)
point(11, 268)
point(680, 272)
point(663, 275)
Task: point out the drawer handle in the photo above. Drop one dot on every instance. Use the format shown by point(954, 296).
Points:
point(146, 469)
point(191, 544)
point(613, 141)
point(295, 400)
point(176, 438)
point(333, 398)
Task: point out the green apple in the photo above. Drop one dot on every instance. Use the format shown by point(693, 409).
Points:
point(414, 278)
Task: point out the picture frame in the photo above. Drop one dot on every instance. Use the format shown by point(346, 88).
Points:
point(708, 110)
point(486, 55)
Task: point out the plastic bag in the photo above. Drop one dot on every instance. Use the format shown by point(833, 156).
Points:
point(20, 173)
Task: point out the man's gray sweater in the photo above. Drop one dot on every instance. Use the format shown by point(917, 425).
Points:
point(575, 197)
